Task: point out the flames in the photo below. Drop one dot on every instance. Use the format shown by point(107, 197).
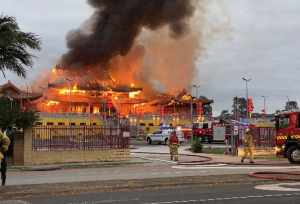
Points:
point(69, 91)
point(108, 94)
point(52, 103)
point(134, 94)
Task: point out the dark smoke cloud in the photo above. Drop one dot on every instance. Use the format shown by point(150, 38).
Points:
point(116, 24)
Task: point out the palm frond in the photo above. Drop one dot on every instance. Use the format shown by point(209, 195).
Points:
point(14, 45)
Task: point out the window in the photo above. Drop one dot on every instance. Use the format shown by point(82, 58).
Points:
point(50, 123)
point(142, 124)
point(157, 132)
point(151, 124)
point(196, 125)
point(72, 124)
point(283, 122)
point(94, 124)
point(82, 124)
point(38, 123)
point(61, 124)
point(205, 125)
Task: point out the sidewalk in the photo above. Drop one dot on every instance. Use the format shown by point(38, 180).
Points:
point(215, 158)
point(77, 165)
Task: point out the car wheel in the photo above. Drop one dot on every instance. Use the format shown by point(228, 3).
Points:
point(293, 154)
point(149, 141)
point(166, 141)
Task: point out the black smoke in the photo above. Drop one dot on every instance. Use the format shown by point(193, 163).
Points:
point(115, 25)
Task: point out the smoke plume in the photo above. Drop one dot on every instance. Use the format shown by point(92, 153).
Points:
point(115, 25)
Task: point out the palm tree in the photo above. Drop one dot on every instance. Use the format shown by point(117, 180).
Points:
point(14, 44)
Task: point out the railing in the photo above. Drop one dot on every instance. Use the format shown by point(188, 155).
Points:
point(264, 137)
point(86, 138)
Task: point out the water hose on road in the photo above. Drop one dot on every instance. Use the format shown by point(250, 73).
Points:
point(278, 176)
point(204, 159)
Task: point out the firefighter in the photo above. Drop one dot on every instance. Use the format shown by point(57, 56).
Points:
point(173, 145)
point(4, 145)
point(248, 146)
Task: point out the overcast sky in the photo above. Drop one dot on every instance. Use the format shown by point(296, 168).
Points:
point(262, 43)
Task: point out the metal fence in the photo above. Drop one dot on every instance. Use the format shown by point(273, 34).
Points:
point(87, 138)
point(264, 137)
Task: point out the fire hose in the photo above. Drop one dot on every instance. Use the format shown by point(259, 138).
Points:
point(278, 176)
point(204, 159)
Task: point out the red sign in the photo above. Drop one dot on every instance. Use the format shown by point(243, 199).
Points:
point(250, 106)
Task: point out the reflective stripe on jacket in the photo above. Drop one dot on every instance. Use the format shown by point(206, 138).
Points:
point(4, 142)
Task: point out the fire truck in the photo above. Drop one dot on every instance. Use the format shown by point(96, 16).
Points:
point(203, 130)
point(288, 135)
point(209, 131)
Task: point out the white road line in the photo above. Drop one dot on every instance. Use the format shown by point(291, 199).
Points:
point(280, 187)
point(196, 167)
point(102, 201)
point(13, 202)
point(226, 198)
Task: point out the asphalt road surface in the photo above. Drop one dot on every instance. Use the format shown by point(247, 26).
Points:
point(217, 193)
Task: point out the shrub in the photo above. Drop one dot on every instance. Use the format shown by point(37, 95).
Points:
point(197, 146)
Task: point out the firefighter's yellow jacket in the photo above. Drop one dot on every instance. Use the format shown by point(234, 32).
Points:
point(4, 144)
point(248, 140)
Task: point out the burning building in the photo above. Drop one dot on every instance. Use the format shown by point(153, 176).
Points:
point(104, 98)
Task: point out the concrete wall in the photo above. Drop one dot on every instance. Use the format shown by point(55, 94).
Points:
point(23, 154)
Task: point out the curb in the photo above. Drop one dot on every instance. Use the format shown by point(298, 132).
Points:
point(73, 166)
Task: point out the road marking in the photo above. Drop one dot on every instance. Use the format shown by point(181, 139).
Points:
point(222, 166)
point(226, 198)
point(279, 187)
point(102, 201)
point(14, 202)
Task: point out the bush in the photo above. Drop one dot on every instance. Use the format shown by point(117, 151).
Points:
point(197, 146)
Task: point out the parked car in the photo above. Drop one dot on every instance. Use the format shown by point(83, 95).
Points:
point(162, 136)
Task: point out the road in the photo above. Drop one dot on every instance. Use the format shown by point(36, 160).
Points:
point(219, 193)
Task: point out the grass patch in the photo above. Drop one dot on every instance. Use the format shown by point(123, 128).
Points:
point(270, 157)
point(213, 150)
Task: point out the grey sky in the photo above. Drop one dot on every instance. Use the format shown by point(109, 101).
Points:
point(263, 43)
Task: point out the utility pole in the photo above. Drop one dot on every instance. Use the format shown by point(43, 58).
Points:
point(247, 80)
point(197, 87)
point(69, 81)
point(265, 111)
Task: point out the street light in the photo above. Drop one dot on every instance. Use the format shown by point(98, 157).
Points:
point(247, 94)
point(69, 81)
point(197, 87)
point(193, 86)
point(264, 97)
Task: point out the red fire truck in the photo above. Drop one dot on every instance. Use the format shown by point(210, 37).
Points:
point(288, 135)
point(210, 131)
point(203, 130)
